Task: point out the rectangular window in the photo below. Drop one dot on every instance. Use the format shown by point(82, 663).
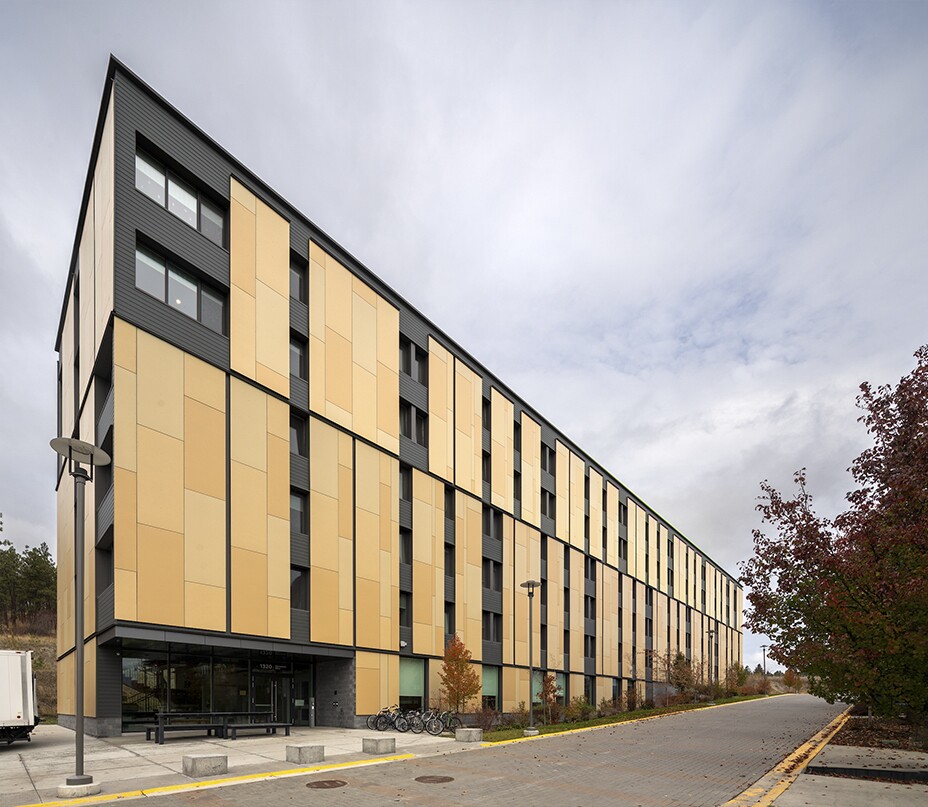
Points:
point(212, 222)
point(517, 486)
point(180, 198)
point(150, 273)
point(178, 289)
point(486, 414)
point(182, 201)
point(298, 435)
point(405, 483)
point(182, 293)
point(299, 589)
point(492, 575)
point(405, 356)
point(422, 367)
point(449, 618)
point(298, 512)
point(406, 419)
point(422, 429)
point(149, 177)
point(492, 627)
point(297, 281)
point(485, 467)
point(517, 437)
point(449, 560)
point(298, 358)
point(405, 609)
point(406, 546)
point(449, 501)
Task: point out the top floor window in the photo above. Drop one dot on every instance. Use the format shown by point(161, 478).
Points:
point(297, 281)
point(170, 284)
point(414, 361)
point(180, 198)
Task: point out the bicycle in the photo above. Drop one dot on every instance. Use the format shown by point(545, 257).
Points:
point(394, 718)
point(372, 719)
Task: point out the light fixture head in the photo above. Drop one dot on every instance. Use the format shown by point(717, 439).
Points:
point(78, 452)
point(530, 584)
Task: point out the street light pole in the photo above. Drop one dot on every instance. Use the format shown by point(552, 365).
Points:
point(78, 454)
point(711, 676)
point(764, 647)
point(531, 730)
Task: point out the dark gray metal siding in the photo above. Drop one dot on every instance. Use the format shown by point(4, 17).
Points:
point(299, 317)
point(414, 454)
point(299, 472)
point(109, 683)
point(299, 549)
point(413, 327)
point(414, 392)
point(299, 625)
point(299, 393)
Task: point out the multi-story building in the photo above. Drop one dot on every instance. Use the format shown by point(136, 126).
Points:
point(312, 485)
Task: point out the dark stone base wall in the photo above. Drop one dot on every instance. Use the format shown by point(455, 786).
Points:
point(95, 726)
point(335, 693)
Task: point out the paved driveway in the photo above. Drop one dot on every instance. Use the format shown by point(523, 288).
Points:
point(695, 758)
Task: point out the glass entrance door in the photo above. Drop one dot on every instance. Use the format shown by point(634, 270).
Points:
point(273, 692)
point(302, 697)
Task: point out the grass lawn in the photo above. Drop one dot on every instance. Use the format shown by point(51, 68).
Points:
point(498, 735)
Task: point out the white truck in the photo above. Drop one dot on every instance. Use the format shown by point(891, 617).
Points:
point(18, 702)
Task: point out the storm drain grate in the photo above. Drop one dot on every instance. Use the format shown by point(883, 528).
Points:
point(434, 780)
point(326, 784)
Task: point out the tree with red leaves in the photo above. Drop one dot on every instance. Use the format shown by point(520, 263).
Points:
point(846, 600)
point(460, 681)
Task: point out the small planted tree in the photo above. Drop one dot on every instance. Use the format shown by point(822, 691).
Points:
point(549, 694)
point(792, 680)
point(460, 681)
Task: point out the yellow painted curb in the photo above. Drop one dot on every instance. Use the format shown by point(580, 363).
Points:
point(772, 784)
point(229, 780)
point(613, 725)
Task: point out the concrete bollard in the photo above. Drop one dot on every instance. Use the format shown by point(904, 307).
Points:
point(378, 745)
point(198, 765)
point(468, 735)
point(305, 754)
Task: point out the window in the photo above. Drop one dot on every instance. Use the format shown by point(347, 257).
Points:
point(298, 512)
point(449, 618)
point(297, 281)
point(298, 358)
point(414, 361)
point(492, 627)
point(414, 424)
point(178, 289)
point(589, 607)
point(485, 467)
point(405, 609)
point(486, 414)
point(589, 646)
point(422, 428)
point(405, 483)
point(406, 545)
point(299, 589)
point(548, 500)
point(406, 420)
point(492, 575)
point(180, 198)
point(449, 501)
point(517, 486)
point(449, 560)
point(297, 435)
point(517, 437)
point(548, 459)
point(623, 514)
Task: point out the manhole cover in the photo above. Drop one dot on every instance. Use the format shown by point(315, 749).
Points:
point(434, 780)
point(326, 784)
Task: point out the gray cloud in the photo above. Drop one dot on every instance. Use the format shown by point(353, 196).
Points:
point(684, 232)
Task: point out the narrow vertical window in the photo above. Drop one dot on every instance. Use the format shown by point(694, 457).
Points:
point(149, 177)
point(182, 201)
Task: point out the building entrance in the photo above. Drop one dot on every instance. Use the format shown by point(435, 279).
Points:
point(273, 692)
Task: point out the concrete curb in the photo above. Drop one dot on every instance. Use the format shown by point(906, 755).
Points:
point(774, 783)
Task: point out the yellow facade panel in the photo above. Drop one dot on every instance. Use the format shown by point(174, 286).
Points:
point(205, 606)
point(278, 557)
point(555, 594)
point(85, 313)
point(441, 412)
point(205, 540)
point(249, 508)
point(160, 480)
point(278, 617)
point(364, 333)
point(272, 249)
point(125, 519)
point(468, 407)
point(612, 524)
point(272, 336)
point(204, 383)
point(596, 514)
point(204, 449)
point(124, 344)
point(278, 477)
point(338, 376)
point(249, 591)
point(124, 594)
point(338, 298)
point(577, 501)
point(248, 425)
point(501, 450)
point(160, 386)
point(160, 576)
point(242, 314)
point(562, 491)
point(323, 616)
point(364, 402)
point(242, 242)
point(531, 471)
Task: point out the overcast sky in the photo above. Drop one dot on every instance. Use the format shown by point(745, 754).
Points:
point(684, 232)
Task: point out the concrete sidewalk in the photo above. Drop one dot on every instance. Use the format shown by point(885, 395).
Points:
point(840, 789)
point(32, 772)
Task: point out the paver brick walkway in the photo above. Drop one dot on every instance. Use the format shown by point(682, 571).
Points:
point(695, 758)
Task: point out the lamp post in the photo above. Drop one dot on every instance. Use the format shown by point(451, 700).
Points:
point(763, 648)
point(79, 454)
point(711, 676)
point(531, 731)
